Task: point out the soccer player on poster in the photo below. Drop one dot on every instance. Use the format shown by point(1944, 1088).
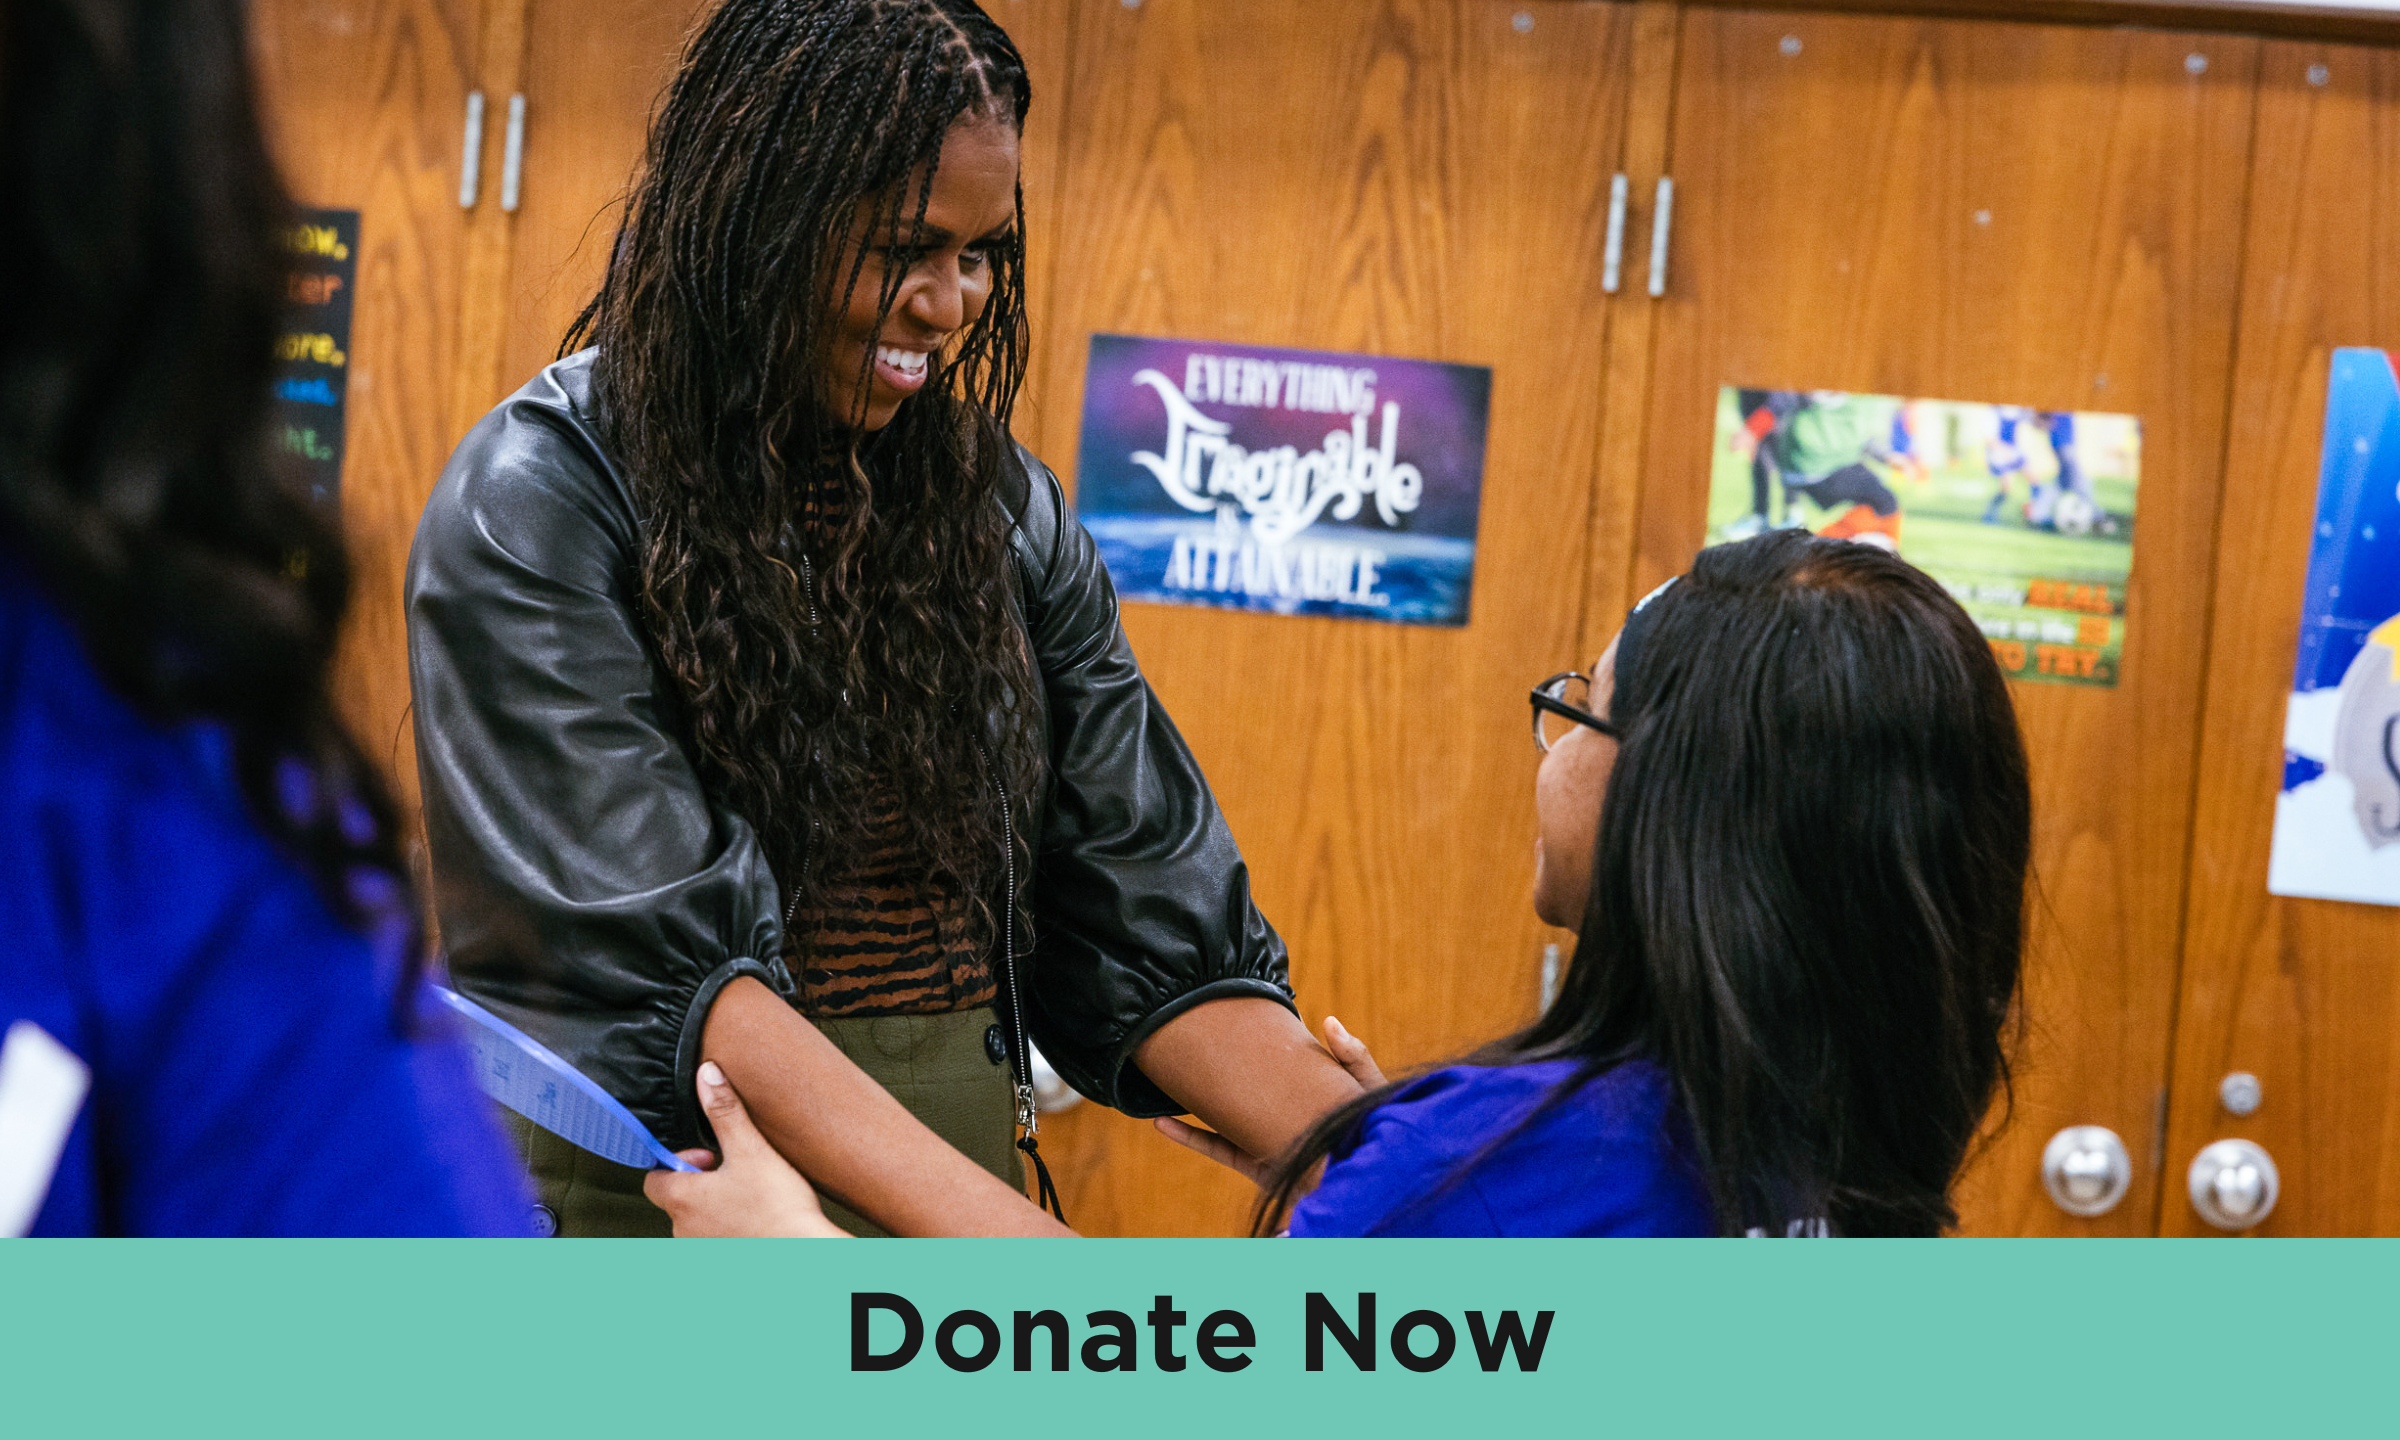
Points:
point(2041, 563)
point(1817, 444)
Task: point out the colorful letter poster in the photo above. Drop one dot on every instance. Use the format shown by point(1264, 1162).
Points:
point(2025, 515)
point(312, 369)
point(1292, 481)
point(2337, 822)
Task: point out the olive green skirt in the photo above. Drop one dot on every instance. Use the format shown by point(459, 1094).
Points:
point(936, 1065)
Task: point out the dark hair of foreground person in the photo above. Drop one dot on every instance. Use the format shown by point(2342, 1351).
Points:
point(141, 227)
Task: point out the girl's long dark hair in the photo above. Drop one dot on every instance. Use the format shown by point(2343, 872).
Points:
point(141, 234)
point(832, 606)
point(1808, 894)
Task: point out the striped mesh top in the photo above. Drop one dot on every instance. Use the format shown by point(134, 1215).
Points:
point(890, 939)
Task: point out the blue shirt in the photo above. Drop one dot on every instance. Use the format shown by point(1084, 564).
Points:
point(1605, 1161)
point(248, 1076)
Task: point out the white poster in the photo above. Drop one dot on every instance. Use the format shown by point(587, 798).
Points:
point(2337, 822)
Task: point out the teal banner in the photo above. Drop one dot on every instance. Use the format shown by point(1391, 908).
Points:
point(449, 1339)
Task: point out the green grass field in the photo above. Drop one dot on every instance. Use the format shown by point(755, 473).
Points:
point(1942, 529)
point(1942, 532)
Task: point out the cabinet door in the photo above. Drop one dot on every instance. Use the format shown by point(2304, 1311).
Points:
point(2303, 994)
point(1422, 178)
point(366, 102)
point(2009, 213)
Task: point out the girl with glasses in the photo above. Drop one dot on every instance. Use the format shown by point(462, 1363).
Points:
point(1788, 819)
point(1789, 823)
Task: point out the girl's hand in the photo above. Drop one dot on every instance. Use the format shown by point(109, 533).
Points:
point(753, 1192)
point(1216, 1147)
point(1345, 1048)
point(1352, 1052)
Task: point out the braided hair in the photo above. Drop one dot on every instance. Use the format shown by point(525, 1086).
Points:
point(141, 226)
point(830, 604)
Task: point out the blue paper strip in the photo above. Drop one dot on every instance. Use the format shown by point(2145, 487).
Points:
point(522, 1073)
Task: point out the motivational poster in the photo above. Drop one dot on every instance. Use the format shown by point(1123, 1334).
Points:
point(1299, 482)
point(312, 359)
point(2337, 820)
point(2025, 515)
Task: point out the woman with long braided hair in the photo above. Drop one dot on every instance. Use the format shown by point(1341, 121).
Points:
point(772, 707)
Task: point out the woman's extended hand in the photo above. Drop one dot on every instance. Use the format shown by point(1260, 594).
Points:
point(754, 1191)
point(1346, 1048)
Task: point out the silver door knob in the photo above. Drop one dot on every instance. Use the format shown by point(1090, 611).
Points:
point(2086, 1170)
point(2234, 1185)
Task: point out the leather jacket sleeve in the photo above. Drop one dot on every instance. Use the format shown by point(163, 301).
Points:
point(591, 893)
point(588, 891)
point(1141, 901)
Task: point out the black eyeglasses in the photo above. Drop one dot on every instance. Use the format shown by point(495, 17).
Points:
point(1564, 698)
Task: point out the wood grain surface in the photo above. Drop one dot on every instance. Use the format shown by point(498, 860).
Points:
point(2041, 214)
point(491, 231)
point(1632, 332)
point(365, 101)
point(2305, 994)
point(2028, 214)
point(2323, 20)
point(590, 89)
point(1404, 177)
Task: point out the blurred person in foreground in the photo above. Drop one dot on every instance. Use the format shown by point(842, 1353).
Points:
point(201, 887)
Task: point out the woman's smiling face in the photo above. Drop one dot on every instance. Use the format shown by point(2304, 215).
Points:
point(874, 361)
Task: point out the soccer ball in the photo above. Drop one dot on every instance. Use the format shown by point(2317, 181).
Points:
point(2074, 515)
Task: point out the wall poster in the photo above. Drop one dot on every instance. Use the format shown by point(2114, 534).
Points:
point(2025, 515)
point(312, 360)
point(1292, 481)
point(2337, 820)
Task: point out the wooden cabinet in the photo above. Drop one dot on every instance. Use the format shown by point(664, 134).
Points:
point(2036, 215)
point(2304, 994)
point(1417, 179)
point(2177, 226)
point(590, 90)
point(365, 101)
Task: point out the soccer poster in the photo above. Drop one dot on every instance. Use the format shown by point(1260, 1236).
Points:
point(1297, 482)
point(2025, 515)
point(2337, 821)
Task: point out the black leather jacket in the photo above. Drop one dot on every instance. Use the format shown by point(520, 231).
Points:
point(591, 892)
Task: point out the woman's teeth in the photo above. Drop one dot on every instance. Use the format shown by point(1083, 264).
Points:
point(910, 363)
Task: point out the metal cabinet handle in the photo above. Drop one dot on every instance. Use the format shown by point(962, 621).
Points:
point(2086, 1170)
point(2233, 1184)
point(512, 155)
point(470, 165)
point(1661, 223)
point(1612, 258)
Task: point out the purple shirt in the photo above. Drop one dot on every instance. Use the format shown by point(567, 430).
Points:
point(248, 1077)
point(1605, 1161)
